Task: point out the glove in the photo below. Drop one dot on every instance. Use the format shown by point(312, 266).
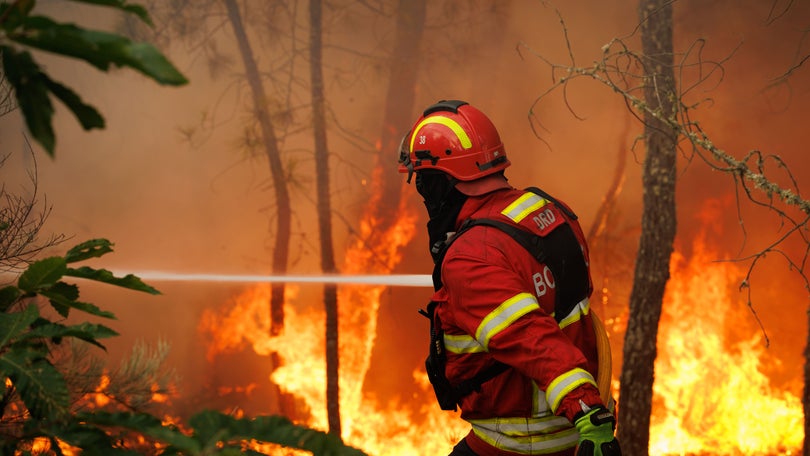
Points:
point(596, 433)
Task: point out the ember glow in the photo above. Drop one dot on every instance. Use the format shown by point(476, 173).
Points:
point(390, 428)
point(711, 396)
point(378, 428)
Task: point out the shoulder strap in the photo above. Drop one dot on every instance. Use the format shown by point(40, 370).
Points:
point(562, 207)
point(559, 250)
point(529, 241)
point(572, 275)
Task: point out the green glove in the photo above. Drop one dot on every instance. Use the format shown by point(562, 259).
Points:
point(596, 433)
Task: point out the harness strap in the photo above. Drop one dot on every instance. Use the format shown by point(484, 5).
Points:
point(564, 245)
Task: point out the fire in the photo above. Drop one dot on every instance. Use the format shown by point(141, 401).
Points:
point(710, 395)
point(390, 428)
point(100, 396)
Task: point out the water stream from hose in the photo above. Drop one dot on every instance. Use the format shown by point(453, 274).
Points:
point(402, 280)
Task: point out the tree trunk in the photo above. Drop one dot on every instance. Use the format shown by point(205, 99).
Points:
point(658, 225)
point(399, 101)
point(281, 250)
point(324, 215)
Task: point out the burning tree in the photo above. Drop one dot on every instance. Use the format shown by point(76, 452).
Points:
point(646, 82)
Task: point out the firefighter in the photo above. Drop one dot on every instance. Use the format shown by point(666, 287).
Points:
point(513, 343)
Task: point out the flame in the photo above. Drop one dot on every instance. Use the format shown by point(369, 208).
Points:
point(379, 428)
point(710, 394)
point(158, 395)
point(100, 396)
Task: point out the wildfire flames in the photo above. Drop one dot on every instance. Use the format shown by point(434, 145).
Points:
point(710, 395)
point(391, 428)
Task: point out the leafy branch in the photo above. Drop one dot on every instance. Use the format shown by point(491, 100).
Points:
point(36, 402)
point(33, 88)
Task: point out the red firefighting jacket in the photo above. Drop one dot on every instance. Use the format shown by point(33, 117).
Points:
point(497, 303)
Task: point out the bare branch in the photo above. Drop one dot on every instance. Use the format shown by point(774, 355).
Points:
point(21, 220)
point(621, 70)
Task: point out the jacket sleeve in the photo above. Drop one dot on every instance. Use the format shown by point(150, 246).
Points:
point(495, 299)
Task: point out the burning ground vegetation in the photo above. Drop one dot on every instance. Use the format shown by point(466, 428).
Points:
point(714, 392)
point(712, 395)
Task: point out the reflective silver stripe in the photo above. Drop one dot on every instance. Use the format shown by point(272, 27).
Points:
point(543, 435)
point(582, 308)
point(523, 206)
point(462, 343)
point(500, 318)
point(563, 385)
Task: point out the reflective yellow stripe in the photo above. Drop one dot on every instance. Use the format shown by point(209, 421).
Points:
point(523, 206)
point(563, 385)
point(582, 308)
point(447, 122)
point(500, 318)
point(462, 343)
point(540, 435)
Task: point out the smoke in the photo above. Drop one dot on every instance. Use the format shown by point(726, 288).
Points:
point(205, 206)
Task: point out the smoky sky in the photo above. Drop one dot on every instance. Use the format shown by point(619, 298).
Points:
point(172, 184)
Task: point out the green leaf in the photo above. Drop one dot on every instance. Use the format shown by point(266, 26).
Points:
point(151, 62)
point(14, 13)
point(61, 302)
point(15, 323)
point(93, 248)
point(68, 293)
point(67, 290)
point(32, 87)
point(8, 296)
point(31, 93)
point(42, 274)
point(92, 309)
point(88, 116)
point(137, 10)
point(88, 332)
point(41, 387)
point(102, 275)
point(98, 48)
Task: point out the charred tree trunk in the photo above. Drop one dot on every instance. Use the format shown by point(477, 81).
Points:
point(658, 225)
point(324, 215)
point(281, 249)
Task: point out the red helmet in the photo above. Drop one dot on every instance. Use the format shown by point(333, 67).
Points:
point(456, 138)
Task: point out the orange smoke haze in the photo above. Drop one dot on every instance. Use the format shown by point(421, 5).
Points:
point(206, 205)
